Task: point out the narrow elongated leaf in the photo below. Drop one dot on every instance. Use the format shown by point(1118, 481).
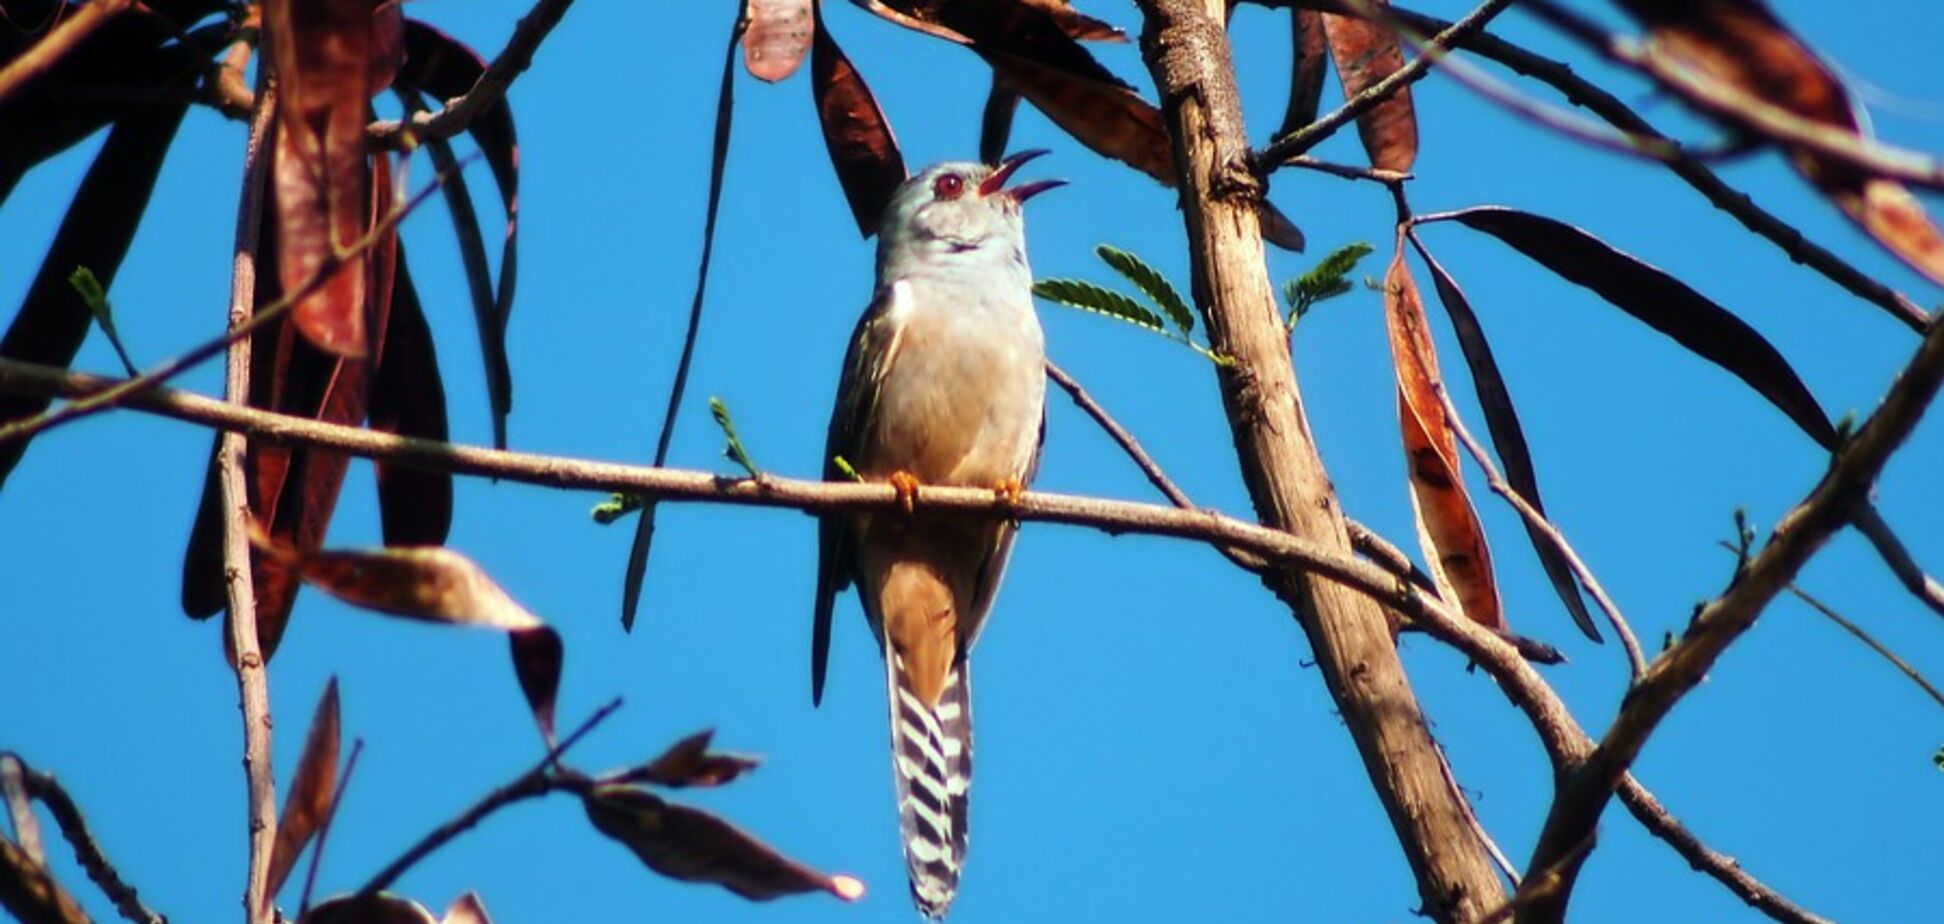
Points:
point(100, 224)
point(1150, 281)
point(311, 793)
point(1086, 296)
point(322, 52)
point(1742, 44)
point(1366, 51)
point(1310, 56)
point(694, 846)
point(779, 34)
point(995, 122)
point(862, 148)
point(689, 762)
point(1664, 303)
point(1448, 525)
point(408, 398)
point(442, 67)
point(1508, 437)
point(1096, 109)
point(430, 584)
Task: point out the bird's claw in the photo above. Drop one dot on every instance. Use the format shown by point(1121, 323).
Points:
point(906, 484)
point(1008, 491)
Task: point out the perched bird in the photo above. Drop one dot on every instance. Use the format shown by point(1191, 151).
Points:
point(944, 384)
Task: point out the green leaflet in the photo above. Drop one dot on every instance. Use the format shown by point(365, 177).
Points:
point(89, 288)
point(734, 451)
point(1086, 296)
point(1150, 281)
point(1326, 281)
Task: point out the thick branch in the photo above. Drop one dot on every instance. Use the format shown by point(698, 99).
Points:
point(486, 92)
point(1583, 792)
point(66, 34)
point(1187, 52)
point(28, 891)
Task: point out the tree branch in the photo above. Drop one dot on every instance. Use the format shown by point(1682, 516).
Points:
point(1583, 791)
point(486, 92)
point(65, 35)
point(29, 892)
point(87, 851)
point(1725, 869)
point(1925, 588)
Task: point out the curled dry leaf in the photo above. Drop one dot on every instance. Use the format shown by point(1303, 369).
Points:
point(322, 52)
point(1740, 43)
point(427, 583)
point(862, 149)
point(777, 37)
point(1447, 524)
point(689, 762)
point(1101, 113)
point(694, 846)
point(382, 908)
point(1367, 51)
point(312, 791)
point(467, 909)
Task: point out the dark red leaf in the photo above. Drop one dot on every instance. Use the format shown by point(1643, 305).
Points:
point(689, 762)
point(692, 845)
point(995, 122)
point(537, 657)
point(777, 37)
point(1311, 54)
point(1099, 112)
point(383, 908)
point(431, 584)
point(1508, 437)
point(862, 148)
point(96, 233)
point(1666, 304)
point(442, 67)
point(408, 398)
point(1366, 51)
point(312, 791)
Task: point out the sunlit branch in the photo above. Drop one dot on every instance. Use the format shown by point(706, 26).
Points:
point(458, 113)
point(48, 791)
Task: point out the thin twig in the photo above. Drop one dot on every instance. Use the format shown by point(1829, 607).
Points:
point(20, 810)
point(238, 332)
point(1636, 661)
point(536, 782)
point(1925, 588)
point(1740, 205)
point(324, 829)
point(252, 680)
point(1345, 171)
point(1861, 635)
point(485, 93)
point(65, 35)
point(87, 850)
point(29, 891)
point(1302, 139)
point(1725, 869)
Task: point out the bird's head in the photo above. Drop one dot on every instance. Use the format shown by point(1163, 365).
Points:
point(959, 212)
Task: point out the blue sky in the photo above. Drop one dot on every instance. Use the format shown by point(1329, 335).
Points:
point(1152, 744)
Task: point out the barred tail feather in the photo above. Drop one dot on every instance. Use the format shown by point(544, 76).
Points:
point(931, 752)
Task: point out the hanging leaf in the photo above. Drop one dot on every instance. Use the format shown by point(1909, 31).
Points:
point(1666, 304)
point(779, 34)
point(694, 846)
point(689, 762)
point(1150, 281)
point(862, 148)
point(1311, 54)
point(311, 793)
point(441, 67)
point(537, 658)
point(408, 398)
point(1740, 43)
point(995, 121)
point(1366, 51)
point(382, 908)
point(1096, 109)
point(431, 584)
point(322, 53)
point(1508, 437)
point(1447, 524)
point(1086, 296)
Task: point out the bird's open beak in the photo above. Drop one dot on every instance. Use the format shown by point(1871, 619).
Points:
point(997, 181)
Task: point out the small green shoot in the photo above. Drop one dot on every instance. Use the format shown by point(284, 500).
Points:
point(734, 451)
point(96, 297)
point(616, 507)
point(1329, 279)
point(844, 466)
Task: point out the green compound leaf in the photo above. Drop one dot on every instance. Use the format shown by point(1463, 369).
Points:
point(1329, 279)
point(1076, 293)
point(1151, 282)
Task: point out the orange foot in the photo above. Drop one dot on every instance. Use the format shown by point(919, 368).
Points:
point(1008, 491)
point(907, 487)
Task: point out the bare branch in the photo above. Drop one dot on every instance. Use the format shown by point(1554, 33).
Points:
point(1584, 791)
point(1925, 588)
point(65, 35)
point(28, 891)
point(1724, 868)
point(486, 92)
point(1345, 171)
point(1865, 637)
point(87, 850)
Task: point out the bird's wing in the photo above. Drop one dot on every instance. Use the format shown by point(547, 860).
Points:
point(992, 568)
point(873, 347)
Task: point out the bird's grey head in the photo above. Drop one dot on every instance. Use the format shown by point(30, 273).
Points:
point(957, 213)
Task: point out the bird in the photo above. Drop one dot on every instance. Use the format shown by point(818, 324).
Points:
point(943, 384)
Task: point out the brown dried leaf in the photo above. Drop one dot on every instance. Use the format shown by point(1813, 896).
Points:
point(467, 909)
point(1448, 525)
point(1077, 25)
point(537, 658)
point(1367, 51)
point(383, 908)
point(1740, 43)
point(689, 762)
point(1104, 115)
point(322, 53)
point(426, 583)
point(694, 846)
point(311, 792)
point(862, 148)
point(1312, 54)
point(778, 35)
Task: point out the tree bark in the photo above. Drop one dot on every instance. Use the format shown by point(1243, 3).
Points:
point(1187, 51)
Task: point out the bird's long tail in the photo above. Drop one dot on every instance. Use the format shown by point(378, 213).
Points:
point(931, 760)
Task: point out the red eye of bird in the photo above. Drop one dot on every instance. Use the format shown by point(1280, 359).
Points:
point(948, 186)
